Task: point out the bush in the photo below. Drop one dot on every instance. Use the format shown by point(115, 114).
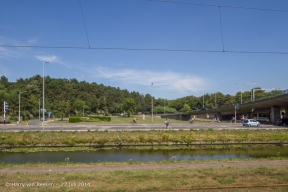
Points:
point(74, 119)
point(96, 119)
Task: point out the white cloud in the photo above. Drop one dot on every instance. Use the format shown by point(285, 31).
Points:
point(7, 53)
point(4, 71)
point(52, 59)
point(32, 41)
point(164, 80)
point(46, 58)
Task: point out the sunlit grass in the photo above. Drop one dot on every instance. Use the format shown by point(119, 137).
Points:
point(128, 120)
point(256, 178)
point(71, 138)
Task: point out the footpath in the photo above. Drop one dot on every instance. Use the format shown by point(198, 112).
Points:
point(87, 168)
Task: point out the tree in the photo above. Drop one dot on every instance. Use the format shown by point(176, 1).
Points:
point(63, 109)
point(80, 105)
point(129, 106)
point(186, 107)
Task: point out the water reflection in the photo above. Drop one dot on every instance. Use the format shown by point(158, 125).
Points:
point(122, 155)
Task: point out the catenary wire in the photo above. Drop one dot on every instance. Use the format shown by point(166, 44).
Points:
point(161, 49)
point(146, 49)
point(226, 6)
point(84, 23)
point(221, 28)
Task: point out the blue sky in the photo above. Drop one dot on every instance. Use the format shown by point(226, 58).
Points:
point(179, 27)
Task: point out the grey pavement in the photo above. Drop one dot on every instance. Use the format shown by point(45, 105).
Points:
point(36, 126)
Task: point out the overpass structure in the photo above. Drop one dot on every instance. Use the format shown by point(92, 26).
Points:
point(272, 105)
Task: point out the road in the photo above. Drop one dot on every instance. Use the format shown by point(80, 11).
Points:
point(36, 126)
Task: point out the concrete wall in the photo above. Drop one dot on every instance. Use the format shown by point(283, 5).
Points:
point(275, 114)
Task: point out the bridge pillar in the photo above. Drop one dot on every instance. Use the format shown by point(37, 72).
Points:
point(275, 114)
point(250, 115)
point(219, 116)
point(286, 111)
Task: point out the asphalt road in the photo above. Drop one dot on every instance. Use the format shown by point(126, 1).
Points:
point(36, 126)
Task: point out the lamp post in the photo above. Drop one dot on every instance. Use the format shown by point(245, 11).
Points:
point(241, 91)
point(215, 100)
point(39, 110)
point(251, 89)
point(152, 102)
point(19, 106)
point(203, 100)
point(264, 90)
point(164, 106)
point(43, 110)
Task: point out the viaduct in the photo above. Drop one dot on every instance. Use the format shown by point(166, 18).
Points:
point(273, 106)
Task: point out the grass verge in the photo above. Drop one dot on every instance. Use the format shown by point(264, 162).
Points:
point(203, 136)
point(256, 178)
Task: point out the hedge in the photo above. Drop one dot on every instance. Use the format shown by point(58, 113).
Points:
point(76, 119)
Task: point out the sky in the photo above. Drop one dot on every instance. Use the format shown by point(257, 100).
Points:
point(167, 48)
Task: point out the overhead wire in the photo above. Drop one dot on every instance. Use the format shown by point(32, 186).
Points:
point(162, 49)
point(215, 5)
point(84, 23)
point(221, 28)
point(145, 49)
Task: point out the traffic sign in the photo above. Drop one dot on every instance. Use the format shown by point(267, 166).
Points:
point(237, 105)
point(6, 106)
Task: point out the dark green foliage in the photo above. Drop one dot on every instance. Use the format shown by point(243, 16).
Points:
point(74, 119)
point(96, 119)
point(66, 97)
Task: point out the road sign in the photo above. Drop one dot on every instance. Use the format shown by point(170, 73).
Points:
point(237, 105)
point(6, 106)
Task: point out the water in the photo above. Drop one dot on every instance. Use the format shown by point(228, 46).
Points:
point(124, 155)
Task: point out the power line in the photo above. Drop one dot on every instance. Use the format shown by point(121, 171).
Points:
point(84, 23)
point(226, 6)
point(221, 28)
point(146, 49)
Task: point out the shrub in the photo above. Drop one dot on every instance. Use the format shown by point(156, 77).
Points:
point(74, 119)
point(94, 119)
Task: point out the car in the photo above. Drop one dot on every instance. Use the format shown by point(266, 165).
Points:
point(250, 122)
point(282, 122)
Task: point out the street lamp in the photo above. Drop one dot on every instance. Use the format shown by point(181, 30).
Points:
point(152, 102)
point(241, 91)
point(263, 90)
point(39, 109)
point(215, 100)
point(43, 110)
point(164, 106)
point(19, 105)
point(203, 100)
point(251, 89)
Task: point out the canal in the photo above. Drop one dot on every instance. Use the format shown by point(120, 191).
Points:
point(125, 155)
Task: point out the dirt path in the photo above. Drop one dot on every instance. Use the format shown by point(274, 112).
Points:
point(143, 167)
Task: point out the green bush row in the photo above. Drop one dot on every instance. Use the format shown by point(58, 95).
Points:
point(76, 119)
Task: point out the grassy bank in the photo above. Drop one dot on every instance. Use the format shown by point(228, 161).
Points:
point(204, 136)
point(256, 178)
point(140, 120)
